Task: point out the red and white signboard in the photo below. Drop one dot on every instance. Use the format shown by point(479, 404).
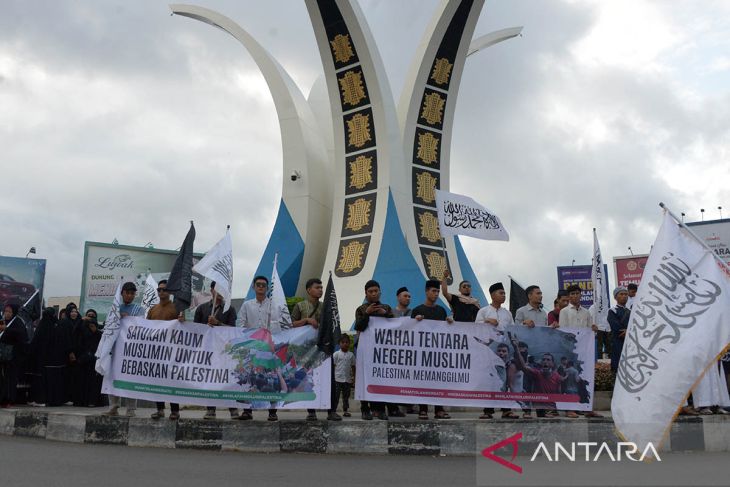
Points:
point(629, 269)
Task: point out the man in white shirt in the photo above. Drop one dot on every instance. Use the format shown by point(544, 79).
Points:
point(259, 311)
point(494, 314)
point(574, 315)
point(532, 314)
point(498, 317)
point(632, 289)
point(256, 313)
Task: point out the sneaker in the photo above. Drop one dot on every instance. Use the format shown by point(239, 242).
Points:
point(209, 415)
point(705, 411)
point(234, 414)
point(347, 415)
point(111, 412)
point(334, 417)
point(174, 416)
point(273, 417)
point(367, 416)
point(312, 417)
point(383, 416)
point(131, 413)
point(159, 414)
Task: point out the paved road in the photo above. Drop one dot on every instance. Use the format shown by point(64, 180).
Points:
point(34, 462)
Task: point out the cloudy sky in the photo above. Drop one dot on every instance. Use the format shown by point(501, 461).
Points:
point(120, 121)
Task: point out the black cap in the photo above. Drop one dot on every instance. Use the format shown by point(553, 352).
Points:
point(401, 290)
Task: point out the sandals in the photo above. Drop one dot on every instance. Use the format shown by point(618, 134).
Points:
point(423, 415)
point(485, 416)
point(245, 416)
point(174, 416)
point(509, 415)
point(527, 416)
point(273, 417)
point(571, 414)
point(593, 414)
point(442, 415)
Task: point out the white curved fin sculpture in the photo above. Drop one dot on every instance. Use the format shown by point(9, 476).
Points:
point(301, 230)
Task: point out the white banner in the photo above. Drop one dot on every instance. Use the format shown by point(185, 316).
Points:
point(217, 265)
point(461, 215)
point(112, 323)
point(680, 324)
point(402, 360)
point(190, 363)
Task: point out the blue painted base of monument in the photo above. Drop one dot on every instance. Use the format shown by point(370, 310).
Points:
point(464, 436)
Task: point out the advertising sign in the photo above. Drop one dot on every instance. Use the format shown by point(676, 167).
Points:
point(19, 279)
point(716, 234)
point(106, 265)
point(629, 269)
point(580, 275)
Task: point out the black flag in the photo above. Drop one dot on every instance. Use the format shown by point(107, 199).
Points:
point(180, 282)
point(329, 328)
point(517, 297)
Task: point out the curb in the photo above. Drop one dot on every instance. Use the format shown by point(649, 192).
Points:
point(452, 437)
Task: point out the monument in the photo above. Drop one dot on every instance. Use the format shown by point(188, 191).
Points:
point(358, 193)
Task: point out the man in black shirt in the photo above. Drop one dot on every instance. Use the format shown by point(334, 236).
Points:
point(371, 307)
point(431, 311)
point(463, 306)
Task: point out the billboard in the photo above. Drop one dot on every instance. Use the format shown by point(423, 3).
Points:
point(106, 265)
point(629, 269)
point(19, 279)
point(580, 275)
point(716, 234)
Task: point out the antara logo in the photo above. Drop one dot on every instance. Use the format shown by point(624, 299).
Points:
point(588, 451)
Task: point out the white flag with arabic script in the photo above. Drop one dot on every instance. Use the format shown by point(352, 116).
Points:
point(217, 265)
point(461, 215)
point(112, 323)
point(679, 326)
point(598, 277)
point(149, 296)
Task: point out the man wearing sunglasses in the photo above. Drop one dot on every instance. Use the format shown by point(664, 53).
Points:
point(164, 311)
point(257, 313)
point(464, 306)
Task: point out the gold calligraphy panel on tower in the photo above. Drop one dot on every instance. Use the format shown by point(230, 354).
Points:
point(358, 215)
point(432, 108)
point(359, 131)
point(353, 93)
point(425, 184)
point(351, 256)
point(362, 172)
point(435, 262)
point(441, 71)
point(427, 224)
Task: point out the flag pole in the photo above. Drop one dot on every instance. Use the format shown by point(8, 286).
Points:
point(702, 242)
point(268, 317)
point(26, 304)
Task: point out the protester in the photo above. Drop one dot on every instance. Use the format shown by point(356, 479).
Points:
point(532, 314)
point(212, 315)
point(165, 311)
point(632, 289)
point(308, 312)
point(52, 349)
point(13, 337)
point(403, 308)
point(430, 310)
point(560, 302)
point(464, 306)
point(128, 308)
point(710, 395)
point(403, 295)
point(618, 319)
point(498, 317)
point(87, 382)
point(256, 313)
point(371, 307)
point(576, 316)
point(344, 363)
